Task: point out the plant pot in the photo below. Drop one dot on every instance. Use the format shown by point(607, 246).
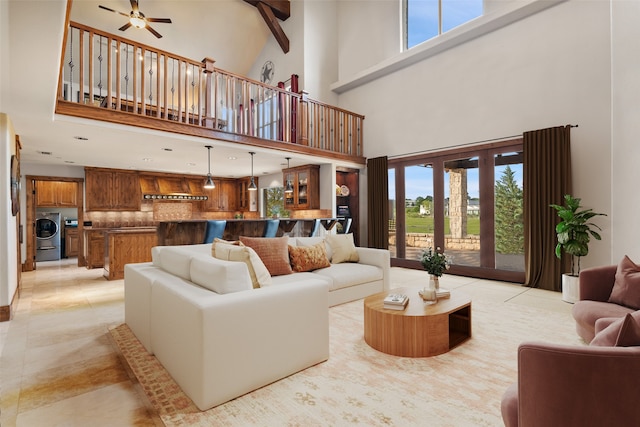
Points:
point(570, 288)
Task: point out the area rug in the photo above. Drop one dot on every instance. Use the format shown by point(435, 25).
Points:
point(361, 386)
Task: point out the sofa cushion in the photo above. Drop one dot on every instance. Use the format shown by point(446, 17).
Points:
point(310, 241)
point(343, 248)
point(346, 275)
point(220, 276)
point(273, 251)
point(624, 332)
point(308, 258)
point(626, 289)
point(173, 259)
point(257, 271)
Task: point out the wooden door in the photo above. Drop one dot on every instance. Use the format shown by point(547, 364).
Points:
point(98, 189)
point(126, 191)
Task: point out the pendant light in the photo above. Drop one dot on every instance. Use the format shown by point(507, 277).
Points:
point(252, 186)
point(288, 188)
point(209, 184)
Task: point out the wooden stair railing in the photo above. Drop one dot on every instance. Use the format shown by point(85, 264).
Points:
point(106, 77)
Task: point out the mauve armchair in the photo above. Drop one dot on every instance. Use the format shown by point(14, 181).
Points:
point(585, 386)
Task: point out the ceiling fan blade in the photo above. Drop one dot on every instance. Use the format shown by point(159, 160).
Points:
point(154, 32)
point(114, 11)
point(163, 20)
point(125, 26)
point(134, 6)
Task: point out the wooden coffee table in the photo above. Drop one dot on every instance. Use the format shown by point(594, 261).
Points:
point(420, 330)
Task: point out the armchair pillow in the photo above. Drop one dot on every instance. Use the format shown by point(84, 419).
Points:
point(626, 289)
point(624, 332)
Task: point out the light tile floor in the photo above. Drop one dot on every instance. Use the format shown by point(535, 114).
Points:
point(59, 366)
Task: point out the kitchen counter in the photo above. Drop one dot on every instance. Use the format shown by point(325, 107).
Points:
point(127, 246)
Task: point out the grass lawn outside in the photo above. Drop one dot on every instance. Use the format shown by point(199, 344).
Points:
point(424, 224)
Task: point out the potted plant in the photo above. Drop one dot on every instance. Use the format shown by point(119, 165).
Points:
point(574, 232)
point(435, 263)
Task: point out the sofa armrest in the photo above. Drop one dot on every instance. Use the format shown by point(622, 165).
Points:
point(218, 347)
point(379, 258)
point(560, 385)
point(596, 283)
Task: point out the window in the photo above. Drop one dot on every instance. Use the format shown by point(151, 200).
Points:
point(425, 19)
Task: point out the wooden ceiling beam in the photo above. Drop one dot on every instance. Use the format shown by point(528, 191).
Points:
point(280, 8)
point(272, 22)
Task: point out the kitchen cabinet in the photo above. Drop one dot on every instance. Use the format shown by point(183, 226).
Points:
point(126, 246)
point(306, 187)
point(221, 198)
point(56, 194)
point(71, 242)
point(112, 190)
point(247, 200)
point(94, 248)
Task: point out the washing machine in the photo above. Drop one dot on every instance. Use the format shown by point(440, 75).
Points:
point(48, 246)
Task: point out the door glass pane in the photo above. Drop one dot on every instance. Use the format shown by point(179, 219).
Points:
point(462, 211)
point(418, 209)
point(303, 197)
point(289, 202)
point(392, 211)
point(509, 210)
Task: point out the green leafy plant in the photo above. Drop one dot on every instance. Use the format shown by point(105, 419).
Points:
point(434, 262)
point(575, 231)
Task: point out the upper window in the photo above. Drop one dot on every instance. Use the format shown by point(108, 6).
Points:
point(425, 19)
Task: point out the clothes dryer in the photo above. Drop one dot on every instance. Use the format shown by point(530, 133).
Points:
point(48, 236)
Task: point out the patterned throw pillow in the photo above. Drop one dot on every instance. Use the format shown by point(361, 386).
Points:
point(308, 258)
point(343, 248)
point(273, 251)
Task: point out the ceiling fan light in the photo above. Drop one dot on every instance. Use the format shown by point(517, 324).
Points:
point(137, 22)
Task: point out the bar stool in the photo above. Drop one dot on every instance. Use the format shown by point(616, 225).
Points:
point(315, 228)
point(271, 227)
point(215, 229)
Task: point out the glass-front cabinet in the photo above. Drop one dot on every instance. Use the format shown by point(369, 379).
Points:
point(306, 187)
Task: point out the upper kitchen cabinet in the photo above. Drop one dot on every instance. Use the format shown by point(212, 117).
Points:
point(221, 198)
point(305, 181)
point(112, 190)
point(56, 194)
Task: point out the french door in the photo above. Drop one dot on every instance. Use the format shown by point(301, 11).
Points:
point(466, 203)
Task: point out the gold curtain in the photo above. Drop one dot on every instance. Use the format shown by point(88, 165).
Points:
point(378, 202)
point(547, 178)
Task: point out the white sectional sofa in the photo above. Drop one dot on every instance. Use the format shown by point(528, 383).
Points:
point(218, 346)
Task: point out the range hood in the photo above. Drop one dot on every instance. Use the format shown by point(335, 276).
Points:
point(171, 188)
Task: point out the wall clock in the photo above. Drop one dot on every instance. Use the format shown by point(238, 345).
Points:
point(266, 74)
point(15, 186)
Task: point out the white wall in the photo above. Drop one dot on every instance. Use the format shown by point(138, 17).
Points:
point(549, 69)
point(625, 134)
point(8, 257)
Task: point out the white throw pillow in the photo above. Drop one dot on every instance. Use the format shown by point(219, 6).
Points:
point(343, 248)
point(257, 271)
point(219, 276)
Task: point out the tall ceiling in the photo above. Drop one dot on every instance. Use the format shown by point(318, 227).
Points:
point(232, 32)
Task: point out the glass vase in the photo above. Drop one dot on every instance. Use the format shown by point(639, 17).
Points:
point(434, 282)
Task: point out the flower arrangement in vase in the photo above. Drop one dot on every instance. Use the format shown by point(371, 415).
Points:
point(435, 263)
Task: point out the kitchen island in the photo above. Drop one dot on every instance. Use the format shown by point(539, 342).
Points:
point(125, 246)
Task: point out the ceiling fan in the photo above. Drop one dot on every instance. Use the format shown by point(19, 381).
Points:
point(137, 18)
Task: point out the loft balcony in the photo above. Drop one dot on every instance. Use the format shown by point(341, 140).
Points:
point(109, 78)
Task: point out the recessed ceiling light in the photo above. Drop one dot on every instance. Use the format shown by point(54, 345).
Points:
point(167, 149)
point(69, 161)
point(232, 158)
point(45, 153)
point(147, 159)
point(191, 164)
point(81, 138)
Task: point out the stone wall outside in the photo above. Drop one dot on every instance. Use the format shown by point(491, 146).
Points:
point(424, 240)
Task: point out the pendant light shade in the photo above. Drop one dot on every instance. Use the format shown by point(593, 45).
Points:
point(208, 184)
point(288, 187)
point(252, 185)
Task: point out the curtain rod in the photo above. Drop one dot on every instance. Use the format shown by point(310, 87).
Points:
point(462, 145)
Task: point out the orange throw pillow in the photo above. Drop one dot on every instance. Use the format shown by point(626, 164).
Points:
point(273, 251)
point(308, 258)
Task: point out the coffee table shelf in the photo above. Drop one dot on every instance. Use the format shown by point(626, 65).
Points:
point(422, 329)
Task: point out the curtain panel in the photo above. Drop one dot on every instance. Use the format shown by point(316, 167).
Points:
point(547, 178)
point(378, 203)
